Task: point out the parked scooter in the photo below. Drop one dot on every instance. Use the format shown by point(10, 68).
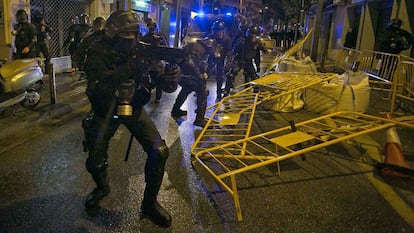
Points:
point(21, 81)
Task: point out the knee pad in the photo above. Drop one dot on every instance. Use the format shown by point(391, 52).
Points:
point(162, 150)
point(96, 165)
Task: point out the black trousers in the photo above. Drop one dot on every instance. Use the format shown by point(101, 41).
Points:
point(189, 84)
point(99, 133)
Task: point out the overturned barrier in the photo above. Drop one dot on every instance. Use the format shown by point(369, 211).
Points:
point(224, 161)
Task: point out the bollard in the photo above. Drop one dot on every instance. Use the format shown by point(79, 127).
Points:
point(52, 83)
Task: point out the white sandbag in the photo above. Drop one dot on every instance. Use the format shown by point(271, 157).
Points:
point(349, 92)
point(288, 103)
point(291, 64)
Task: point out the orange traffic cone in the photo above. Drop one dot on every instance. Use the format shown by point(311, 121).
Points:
point(394, 162)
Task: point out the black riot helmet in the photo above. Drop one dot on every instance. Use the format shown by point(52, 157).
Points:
point(84, 19)
point(209, 42)
point(243, 25)
point(151, 24)
point(218, 29)
point(98, 23)
point(37, 16)
point(253, 31)
point(21, 16)
point(395, 23)
point(124, 24)
point(218, 25)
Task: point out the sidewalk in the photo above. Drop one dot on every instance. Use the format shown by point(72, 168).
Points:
point(70, 95)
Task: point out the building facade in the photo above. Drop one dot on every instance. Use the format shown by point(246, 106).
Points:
point(368, 17)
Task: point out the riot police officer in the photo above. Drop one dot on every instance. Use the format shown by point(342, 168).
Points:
point(395, 39)
point(246, 51)
point(79, 28)
point(193, 78)
point(242, 28)
point(155, 38)
point(223, 52)
point(43, 31)
point(117, 90)
point(92, 36)
point(25, 36)
point(98, 24)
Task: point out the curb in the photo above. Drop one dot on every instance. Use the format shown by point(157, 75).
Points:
point(58, 110)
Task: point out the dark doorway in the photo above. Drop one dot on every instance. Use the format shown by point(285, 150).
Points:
point(381, 15)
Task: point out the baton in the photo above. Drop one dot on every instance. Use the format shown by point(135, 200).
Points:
point(129, 147)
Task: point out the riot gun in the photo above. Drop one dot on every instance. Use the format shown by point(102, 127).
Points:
point(169, 54)
point(173, 57)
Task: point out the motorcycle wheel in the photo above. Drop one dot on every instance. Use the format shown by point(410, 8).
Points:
point(31, 100)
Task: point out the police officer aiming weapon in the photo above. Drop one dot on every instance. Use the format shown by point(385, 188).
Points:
point(118, 88)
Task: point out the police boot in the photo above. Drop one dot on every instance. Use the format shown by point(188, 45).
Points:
point(176, 111)
point(201, 110)
point(102, 190)
point(153, 211)
point(154, 172)
point(200, 122)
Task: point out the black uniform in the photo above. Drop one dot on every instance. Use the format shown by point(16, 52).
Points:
point(351, 38)
point(247, 50)
point(223, 46)
point(117, 90)
point(43, 31)
point(157, 39)
point(193, 78)
point(395, 39)
point(93, 36)
point(77, 32)
point(25, 36)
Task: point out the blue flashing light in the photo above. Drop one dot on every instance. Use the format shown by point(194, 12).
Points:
point(196, 14)
point(229, 14)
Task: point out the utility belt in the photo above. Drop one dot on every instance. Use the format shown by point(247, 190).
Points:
point(131, 95)
point(126, 97)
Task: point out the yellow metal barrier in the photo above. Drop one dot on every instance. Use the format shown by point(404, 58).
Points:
point(406, 58)
point(290, 52)
point(275, 86)
point(346, 58)
point(404, 88)
point(381, 69)
point(231, 120)
point(224, 160)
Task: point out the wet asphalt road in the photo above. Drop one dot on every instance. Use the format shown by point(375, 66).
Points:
point(43, 184)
